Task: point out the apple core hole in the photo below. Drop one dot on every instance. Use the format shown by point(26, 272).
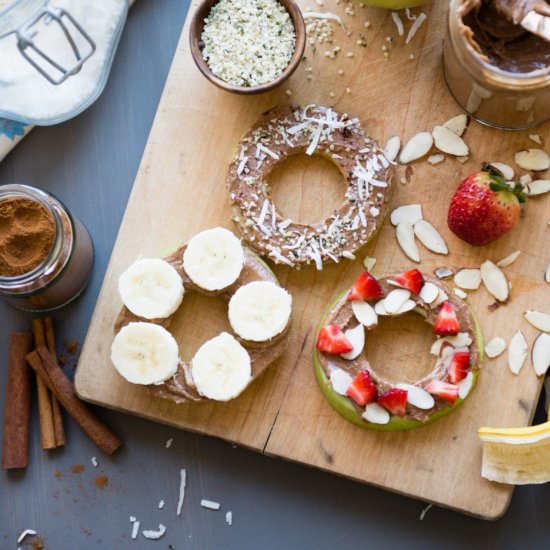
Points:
point(306, 189)
point(399, 349)
point(198, 319)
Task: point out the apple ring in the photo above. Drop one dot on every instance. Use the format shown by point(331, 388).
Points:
point(215, 263)
point(286, 131)
point(352, 386)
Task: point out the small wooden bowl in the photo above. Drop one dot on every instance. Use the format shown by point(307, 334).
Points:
point(195, 32)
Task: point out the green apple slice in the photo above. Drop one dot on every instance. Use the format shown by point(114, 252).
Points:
point(346, 407)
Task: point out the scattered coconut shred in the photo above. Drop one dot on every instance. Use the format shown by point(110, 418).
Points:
point(248, 42)
point(183, 479)
point(211, 505)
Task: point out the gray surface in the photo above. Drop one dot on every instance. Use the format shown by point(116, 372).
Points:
point(90, 163)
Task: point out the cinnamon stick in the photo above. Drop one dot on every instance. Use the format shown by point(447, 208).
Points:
point(45, 412)
point(59, 431)
point(15, 444)
point(49, 371)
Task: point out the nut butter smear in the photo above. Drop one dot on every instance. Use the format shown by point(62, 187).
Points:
point(493, 29)
point(27, 232)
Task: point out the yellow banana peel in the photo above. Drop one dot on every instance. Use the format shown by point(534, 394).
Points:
point(518, 456)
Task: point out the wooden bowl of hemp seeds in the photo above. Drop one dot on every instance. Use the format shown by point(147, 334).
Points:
point(247, 46)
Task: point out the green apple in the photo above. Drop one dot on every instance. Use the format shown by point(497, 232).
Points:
point(345, 406)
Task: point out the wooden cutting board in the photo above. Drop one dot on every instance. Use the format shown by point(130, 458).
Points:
point(180, 190)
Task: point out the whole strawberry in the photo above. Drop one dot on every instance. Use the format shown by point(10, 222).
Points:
point(484, 207)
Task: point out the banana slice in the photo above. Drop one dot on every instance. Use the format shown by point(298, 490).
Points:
point(151, 288)
point(145, 353)
point(221, 368)
point(260, 310)
point(214, 258)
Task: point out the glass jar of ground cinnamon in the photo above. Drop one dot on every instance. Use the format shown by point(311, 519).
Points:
point(46, 255)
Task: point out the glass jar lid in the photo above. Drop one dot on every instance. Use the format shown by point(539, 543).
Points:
point(55, 56)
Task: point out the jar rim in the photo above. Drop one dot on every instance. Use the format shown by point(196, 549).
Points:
point(39, 196)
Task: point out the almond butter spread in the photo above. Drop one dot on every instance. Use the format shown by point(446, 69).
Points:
point(493, 29)
point(342, 315)
point(181, 388)
point(27, 233)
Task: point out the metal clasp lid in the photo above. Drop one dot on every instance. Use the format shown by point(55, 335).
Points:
point(54, 71)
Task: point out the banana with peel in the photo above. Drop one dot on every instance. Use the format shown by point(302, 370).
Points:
point(517, 456)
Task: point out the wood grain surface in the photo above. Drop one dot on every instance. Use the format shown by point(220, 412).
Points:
point(180, 190)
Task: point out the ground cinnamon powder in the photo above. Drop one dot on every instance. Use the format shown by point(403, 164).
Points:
point(27, 233)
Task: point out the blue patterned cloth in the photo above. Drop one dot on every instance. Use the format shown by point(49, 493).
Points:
point(11, 132)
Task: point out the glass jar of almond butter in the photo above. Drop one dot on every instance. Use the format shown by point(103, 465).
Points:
point(498, 72)
point(46, 255)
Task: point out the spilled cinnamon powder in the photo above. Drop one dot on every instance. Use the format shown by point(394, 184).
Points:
point(27, 233)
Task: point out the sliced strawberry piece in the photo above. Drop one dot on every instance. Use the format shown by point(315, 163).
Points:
point(412, 280)
point(363, 389)
point(446, 391)
point(366, 287)
point(446, 323)
point(460, 364)
point(331, 339)
point(394, 400)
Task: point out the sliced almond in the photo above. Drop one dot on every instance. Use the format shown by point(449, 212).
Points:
point(376, 414)
point(540, 355)
point(525, 178)
point(429, 293)
point(510, 259)
point(408, 213)
point(495, 281)
point(340, 381)
point(457, 124)
point(409, 305)
point(379, 308)
point(495, 347)
point(356, 337)
point(395, 299)
point(449, 142)
point(429, 236)
point(369, 263)
point(392, 148)
point(517, 352)
point(417, 396)
point(468, 278)
point(538, 187)
point(506, 170)
point(438, 158)
point(463, 159)
point(441, 298)
point(416, 147)
point(465, 385)
point(547, 274)
point(538, 320)
point(533, 159)
point(462, 339)
point(536, 138)
point(460, 293)
point(405, 237)
point(364, 313)
point(443, 272)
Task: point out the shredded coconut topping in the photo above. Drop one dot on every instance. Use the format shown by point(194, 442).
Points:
point(314, 129)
